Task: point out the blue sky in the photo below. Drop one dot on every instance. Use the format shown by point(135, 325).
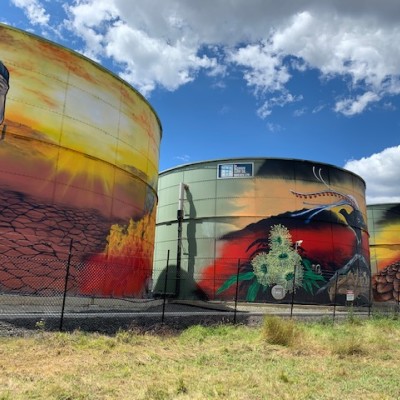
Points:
point(308, 79)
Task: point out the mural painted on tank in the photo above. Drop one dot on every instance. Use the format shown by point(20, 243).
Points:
point(79, 169)
point(316, 250)
point(384, 227)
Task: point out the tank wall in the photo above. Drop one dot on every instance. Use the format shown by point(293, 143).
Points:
point(384, 228)
point(232, 218)
point(79, 161)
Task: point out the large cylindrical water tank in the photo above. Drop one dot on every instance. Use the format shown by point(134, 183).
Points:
point(79, 152)
point(272, 228)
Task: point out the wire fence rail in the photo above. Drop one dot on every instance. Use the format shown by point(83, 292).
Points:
point(69, 291)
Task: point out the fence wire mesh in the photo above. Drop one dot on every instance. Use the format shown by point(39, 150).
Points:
point(64, 285)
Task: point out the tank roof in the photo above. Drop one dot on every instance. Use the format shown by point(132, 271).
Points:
point(250, 159)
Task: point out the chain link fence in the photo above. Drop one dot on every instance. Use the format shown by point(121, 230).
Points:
point(67, 290)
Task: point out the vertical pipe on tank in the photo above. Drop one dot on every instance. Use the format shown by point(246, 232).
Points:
point(181, 199)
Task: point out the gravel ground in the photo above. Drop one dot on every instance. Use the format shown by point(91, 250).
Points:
point(150, 320)
point(114, 322)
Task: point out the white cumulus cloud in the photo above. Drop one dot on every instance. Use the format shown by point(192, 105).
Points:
point(34, 10)
point(381, 174)
point(152, 44)
point(155, 61)
point(263, 68)
point(356, 106)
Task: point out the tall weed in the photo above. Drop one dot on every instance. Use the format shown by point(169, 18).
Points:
point(350, 345)
point(276, 330)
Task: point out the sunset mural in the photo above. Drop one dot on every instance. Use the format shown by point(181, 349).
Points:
point(81, 145)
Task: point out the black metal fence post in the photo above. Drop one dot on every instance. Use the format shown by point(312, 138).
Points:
point(165, 289)
point(293, 290)
point(370, 297)
point(334, 299)
point(66, 285)
point(236, 291)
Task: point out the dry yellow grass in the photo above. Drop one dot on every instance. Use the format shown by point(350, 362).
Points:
point(347, 361)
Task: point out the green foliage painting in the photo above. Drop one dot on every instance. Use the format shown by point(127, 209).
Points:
point(277, 265)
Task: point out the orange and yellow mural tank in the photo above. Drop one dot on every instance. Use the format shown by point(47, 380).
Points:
point(79, 153)
point(384, 228)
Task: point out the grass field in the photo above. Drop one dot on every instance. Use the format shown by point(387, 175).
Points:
point(279, 360)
